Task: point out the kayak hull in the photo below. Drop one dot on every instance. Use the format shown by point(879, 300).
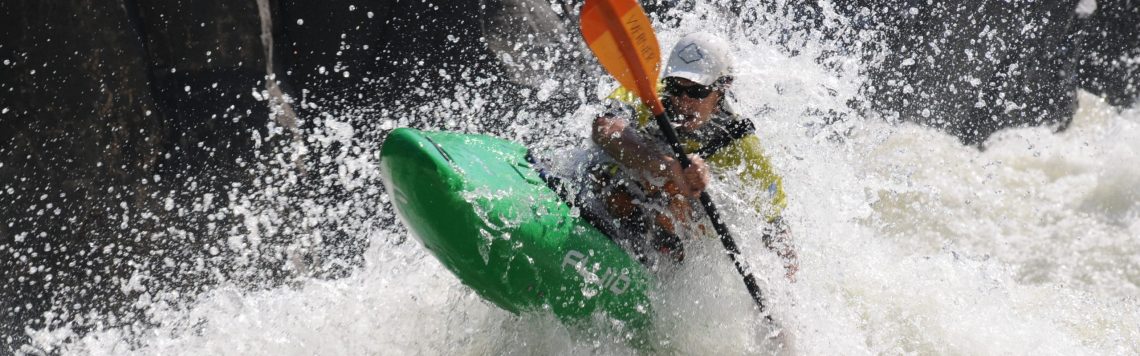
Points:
point(477, 204)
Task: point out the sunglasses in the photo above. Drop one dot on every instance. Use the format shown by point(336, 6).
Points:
point(673, 87)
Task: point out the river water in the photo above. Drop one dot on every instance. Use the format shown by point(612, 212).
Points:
point(910, 243)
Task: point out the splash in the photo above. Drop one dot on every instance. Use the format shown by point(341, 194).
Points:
point(909, 242)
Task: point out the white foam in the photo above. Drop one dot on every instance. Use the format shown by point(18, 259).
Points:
point(909, 243)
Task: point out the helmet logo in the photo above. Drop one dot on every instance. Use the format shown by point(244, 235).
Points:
point(691, 53)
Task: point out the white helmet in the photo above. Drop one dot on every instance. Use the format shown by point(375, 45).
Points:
point(699, 57)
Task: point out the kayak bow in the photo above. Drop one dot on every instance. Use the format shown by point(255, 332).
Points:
point(477, 204)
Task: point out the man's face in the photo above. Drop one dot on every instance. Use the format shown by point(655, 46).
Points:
point(694, 112)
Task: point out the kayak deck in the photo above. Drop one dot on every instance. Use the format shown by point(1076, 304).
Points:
point(477, 204)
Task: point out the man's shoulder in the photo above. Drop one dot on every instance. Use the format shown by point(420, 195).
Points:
point(625, 103)
point(727, 127)
point(623, 95)
point(736, 125)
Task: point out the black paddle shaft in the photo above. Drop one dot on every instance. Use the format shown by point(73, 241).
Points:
point(721, 229)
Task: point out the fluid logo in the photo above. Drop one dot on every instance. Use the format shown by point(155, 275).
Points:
point(617, 282)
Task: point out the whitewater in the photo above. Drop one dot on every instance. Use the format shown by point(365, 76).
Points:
point(909, 243)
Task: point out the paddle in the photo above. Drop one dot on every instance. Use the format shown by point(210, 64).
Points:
point(621, 36)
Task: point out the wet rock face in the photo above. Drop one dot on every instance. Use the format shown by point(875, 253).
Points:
point(390, 56)
point(1110, 60)
point(387, 46)
point(112, 107)
point(204, 60)
point(974, 67)
point(80, 130)
point(317, 42)
point(120, 119)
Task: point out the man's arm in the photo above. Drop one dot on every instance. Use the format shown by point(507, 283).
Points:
point(777, 237)
point(622, 142)
point(618, 139)
point(759, 175)
point(746, 157)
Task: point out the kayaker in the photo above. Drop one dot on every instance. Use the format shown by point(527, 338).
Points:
point(643, 187)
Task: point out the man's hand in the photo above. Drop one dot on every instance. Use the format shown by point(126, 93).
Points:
point(688, 182)
point(659, 169)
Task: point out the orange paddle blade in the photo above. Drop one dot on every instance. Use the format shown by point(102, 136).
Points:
point(621, 36)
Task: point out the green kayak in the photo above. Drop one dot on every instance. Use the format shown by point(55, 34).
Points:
point(477, 204)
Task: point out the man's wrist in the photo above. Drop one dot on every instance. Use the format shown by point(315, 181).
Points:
point(666, 164)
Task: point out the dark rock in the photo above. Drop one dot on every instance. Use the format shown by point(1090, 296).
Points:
point(974, 67)
point(205, 60)
point(403, 54)
point(114, 108)
point(80, 137)
point(318, 42)
point(1110, 60)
